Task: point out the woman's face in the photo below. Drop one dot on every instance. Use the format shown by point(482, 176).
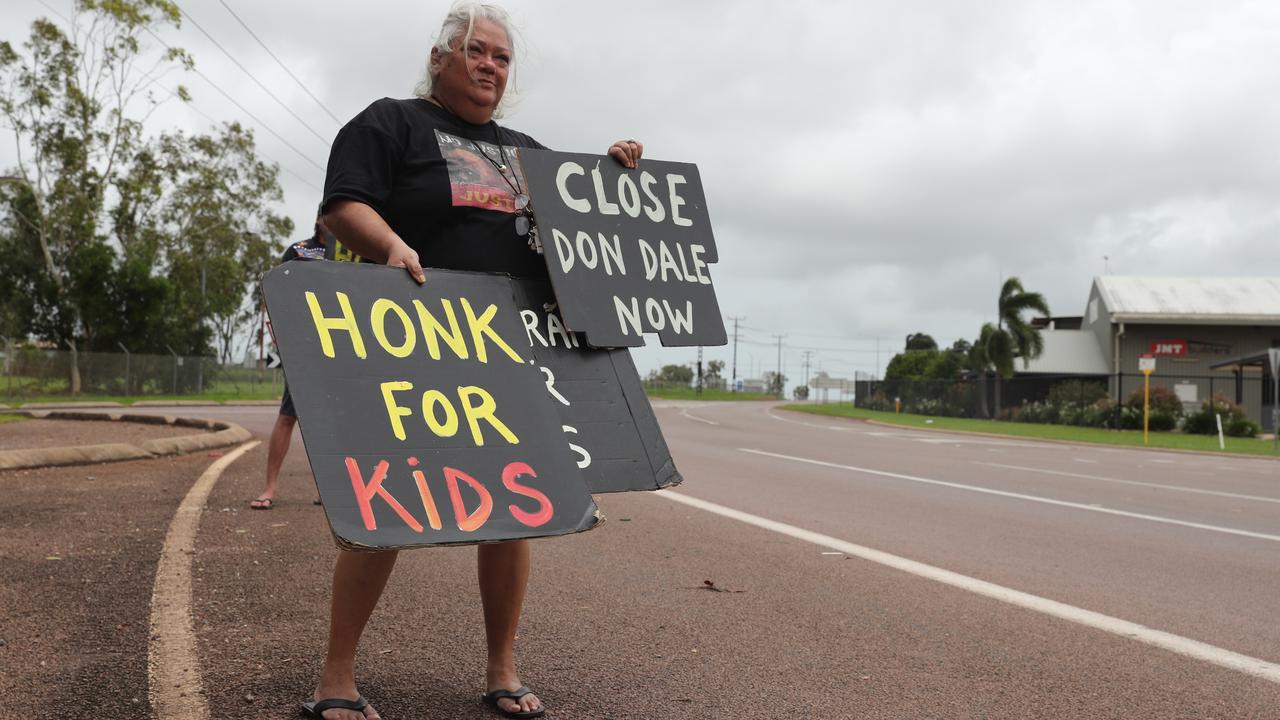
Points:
point(473, 77)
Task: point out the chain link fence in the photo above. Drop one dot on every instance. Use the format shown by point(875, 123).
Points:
point(1112, 401)
point(31, 372)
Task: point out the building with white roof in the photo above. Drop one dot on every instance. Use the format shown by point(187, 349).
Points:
point(1194, 327)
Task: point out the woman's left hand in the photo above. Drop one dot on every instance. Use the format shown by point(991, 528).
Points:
point(627, 152)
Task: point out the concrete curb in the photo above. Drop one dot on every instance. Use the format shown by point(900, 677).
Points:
point(222, 434)
point(71, 405)
point(252, 403)
point(175, 403)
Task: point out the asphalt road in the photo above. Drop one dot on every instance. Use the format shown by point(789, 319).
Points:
point(856, 571)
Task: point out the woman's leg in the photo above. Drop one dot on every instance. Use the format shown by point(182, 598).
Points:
point(503, 569)
point(358, 581)
point(277, 448)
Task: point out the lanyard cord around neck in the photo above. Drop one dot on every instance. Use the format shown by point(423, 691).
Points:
point(501, 167)
point(497, 136)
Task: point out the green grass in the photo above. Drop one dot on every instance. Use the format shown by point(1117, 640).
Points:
point(12, 418)
point(262, 393)
point(707, 394)
point(1132, 438)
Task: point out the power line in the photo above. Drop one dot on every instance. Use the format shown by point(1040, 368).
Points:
point(279, 164)
point(815, 335)
point(279, 62)
point(215, 86)
point(53, 10)
point(242, 108)
point(253, 77)
point(806, 347)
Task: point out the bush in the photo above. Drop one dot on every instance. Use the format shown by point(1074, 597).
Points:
point(1242, 427)
point(1234, 422)
point(1076, 393)
point(1166, 410)
point(1163, 399)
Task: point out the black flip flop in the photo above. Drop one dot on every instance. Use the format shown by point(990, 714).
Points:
point(493, 696)
point(263, 504)
point(314, 709)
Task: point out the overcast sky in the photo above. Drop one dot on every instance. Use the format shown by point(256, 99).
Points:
point(872, 169)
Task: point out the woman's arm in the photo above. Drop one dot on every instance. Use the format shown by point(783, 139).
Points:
point(363, 230)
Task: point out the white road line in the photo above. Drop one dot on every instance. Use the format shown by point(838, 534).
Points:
point(1088, 618)
point(173, 667)
point(1021, 496)
point(921, 437)
point(1179, 488)
point(685, 412)
point(771, 414)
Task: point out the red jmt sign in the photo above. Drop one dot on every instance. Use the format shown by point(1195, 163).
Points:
point(1169, 347)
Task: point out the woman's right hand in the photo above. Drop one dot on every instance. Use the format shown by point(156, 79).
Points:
point(364, 232)
point(401, 255)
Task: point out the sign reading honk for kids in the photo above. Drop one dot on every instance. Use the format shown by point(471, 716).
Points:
point(423, 418)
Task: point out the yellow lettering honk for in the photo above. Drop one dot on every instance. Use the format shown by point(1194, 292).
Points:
point(480, 327)
point(477, 405)
point(378, 318)
point(326, 325)
point(394, 410)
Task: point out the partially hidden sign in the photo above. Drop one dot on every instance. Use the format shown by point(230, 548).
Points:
point(604, 412)
point(423, 418)
point(629, 251)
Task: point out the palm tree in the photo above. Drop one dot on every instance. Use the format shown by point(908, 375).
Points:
point(980, 364)
point(1012, 337)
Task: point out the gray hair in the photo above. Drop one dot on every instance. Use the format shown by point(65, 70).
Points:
point(456, 31)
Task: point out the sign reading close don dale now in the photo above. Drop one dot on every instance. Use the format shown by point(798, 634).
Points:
point(629, 251)
point(423, 418)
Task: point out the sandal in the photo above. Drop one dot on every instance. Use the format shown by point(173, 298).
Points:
point(493, 696)
point(262, 503)
point(314, 709)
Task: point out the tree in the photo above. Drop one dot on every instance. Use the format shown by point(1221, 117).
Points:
point(920, 341)
point(118, 237)
point(910, 365)
point(980, 364)
point(1012, 337)
point(675, 374)
point(218, 232)
point(775, 383)
point(68, 100)
point(713, 370)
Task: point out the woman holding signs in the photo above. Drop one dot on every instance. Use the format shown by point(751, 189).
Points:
point(431, 181)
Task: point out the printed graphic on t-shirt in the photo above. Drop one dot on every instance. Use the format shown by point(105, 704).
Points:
point(475, 178)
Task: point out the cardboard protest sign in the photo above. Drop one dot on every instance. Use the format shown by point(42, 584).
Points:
point(603, 409)
point(423, 419)
point(628, 250)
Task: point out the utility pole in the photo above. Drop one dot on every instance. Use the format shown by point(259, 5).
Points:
point(734, 382)
point(877, 377)
point(807, 355)
point(699, 371)
point(782, 390)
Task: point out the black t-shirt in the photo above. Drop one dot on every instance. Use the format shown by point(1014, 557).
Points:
point(422, 169)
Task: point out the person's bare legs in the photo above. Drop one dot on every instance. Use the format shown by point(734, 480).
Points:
point(277, 448)
point(358, 581)
point(503, 569)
